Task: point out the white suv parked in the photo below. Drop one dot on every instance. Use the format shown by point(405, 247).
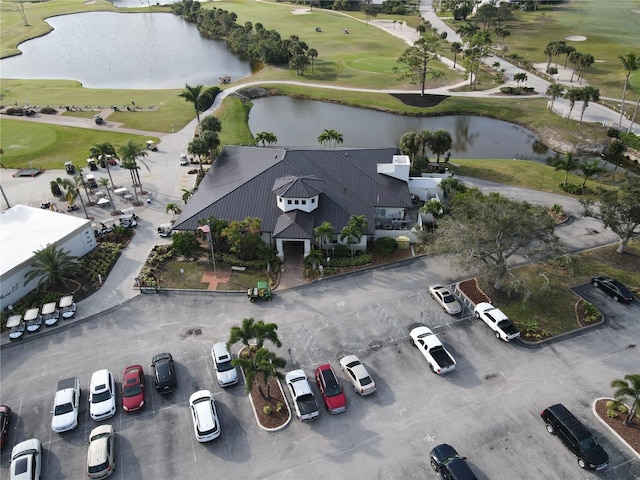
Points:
point(102, 395)
point(205, 418)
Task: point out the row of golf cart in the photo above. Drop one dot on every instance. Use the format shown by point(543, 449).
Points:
point(33, 318)
point(127, 220)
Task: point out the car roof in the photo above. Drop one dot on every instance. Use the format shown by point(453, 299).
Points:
point(132, 372)
point(161, 356)
point(100, 379)
point(201, 401)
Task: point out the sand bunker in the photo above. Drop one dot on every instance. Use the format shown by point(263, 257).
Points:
point(300, 11)
point(575, 38)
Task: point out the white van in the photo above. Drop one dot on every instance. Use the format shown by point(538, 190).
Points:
point(225, 372)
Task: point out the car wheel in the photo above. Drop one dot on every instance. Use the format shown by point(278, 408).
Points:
point(252, 300)
point(498, 336)
point(431, 368)
point(582, 463)
point(412, 342)
point(595, 284)
point(616, 298)
point(478, 315)
point(434, 465)
point(550, 429)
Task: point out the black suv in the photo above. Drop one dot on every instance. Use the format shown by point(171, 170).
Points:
point(451, 466)
point(164, 374)
point(575, 436)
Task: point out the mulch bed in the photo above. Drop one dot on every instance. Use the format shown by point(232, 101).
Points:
point(631, 433)
point(471, 289)
point(275, 419)
point(417, 100)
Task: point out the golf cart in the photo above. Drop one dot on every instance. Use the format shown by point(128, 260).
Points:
point(67, 307)
point(98, 119)
point(70, 168)
point(128, 221)
point(151, 145)
point(32, 319)
point(50, 314)
point(93, 166)
point(260, 292)
point(165, 229)
point(16, 327)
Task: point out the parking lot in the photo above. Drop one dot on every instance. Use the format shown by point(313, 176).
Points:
point(488, 408)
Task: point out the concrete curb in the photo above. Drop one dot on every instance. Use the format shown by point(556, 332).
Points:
point(615, 434)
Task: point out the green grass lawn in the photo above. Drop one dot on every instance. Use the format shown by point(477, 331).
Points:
point(49, 146)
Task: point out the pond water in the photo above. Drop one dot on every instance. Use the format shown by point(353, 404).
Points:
point(298, 122)
point(125, 50)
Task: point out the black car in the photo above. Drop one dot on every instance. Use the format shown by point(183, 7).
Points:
point(5, 417)
point(613, 288)
point(164, 374)
point(451, 466)
point(575, 436)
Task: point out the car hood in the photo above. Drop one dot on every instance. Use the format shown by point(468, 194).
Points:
point(596, 456)
point(103, 407)
point(229, 376)
point(336, 402)
point(66, 421)
point(132, 403)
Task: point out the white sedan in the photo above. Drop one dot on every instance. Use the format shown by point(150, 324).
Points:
point(447, 301)
point(102, 395)
point(358, 375)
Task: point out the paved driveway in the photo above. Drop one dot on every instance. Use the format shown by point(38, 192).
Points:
point(488, 408)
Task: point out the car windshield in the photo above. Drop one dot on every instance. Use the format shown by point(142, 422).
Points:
point(333, 389)
point(101, 397)
point(588, 444)
point(99, 436)
point(365, 380)
point(448, 299)
point(99, 468)
point(225, 366)
point(132, 390)
point(62, 409)
point(21, 466)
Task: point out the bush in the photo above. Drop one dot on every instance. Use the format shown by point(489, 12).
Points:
point(613, 133)
point(185, 243)
point(614, 408)
point(591, 313)
point(267, 410)
point(356, 261)
point(385, 246)
point(572, 188)
point(552, 71)
point(508, 90)
point(279, 407)
point(48, 110)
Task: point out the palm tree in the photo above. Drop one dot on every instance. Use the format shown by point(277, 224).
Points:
point(130, 153)
point(590, 169)
point(628, 388)
point(456, 48)
point(50, 265)
point(588, 93)
point(409, 145)
point(433, 207)
point(172, 208)
point(520, 77)
point(630, 63)
point(586, 60)
point(451, 186)
point(573, 95)
point(330, 137)
point(266, 138)
point(268, 364)
point(566, 163)
point(104, 182)
point(324, 234)
point(266, 331)
point(351, 235)
point(187, 194)
point(359, 223)
point(243, 334)
point(78, 181)
point(554, 91)
point(193, 95)
point(102, 151)
point(574, 58)
point(210, 123)
point(314, 259)
point(467, 30)
point(313, 53)
point(423, 138)
point(212, 142)
point(439, 143)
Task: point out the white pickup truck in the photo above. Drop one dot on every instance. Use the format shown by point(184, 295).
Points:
point(303, 399)
point(440, 360)
point(65, 405)
point(497, 321)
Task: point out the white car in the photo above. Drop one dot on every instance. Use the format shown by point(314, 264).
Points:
point(497, 321)
point(102, 395)
point(101, 454)
point(447, 301)
point(226, 373)
point(205, 418)
point(26, 460)
point(357, 373)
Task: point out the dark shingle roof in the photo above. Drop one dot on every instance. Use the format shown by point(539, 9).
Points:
point(242, 181)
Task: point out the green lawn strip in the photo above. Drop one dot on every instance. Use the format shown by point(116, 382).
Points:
point(49, 146)
point(175, 274)
point(553, 306)
point(519, 173)
point(234, 117)
point(242, 280)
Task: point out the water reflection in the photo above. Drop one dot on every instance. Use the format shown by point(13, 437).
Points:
point(117, 50)
point(298, 122)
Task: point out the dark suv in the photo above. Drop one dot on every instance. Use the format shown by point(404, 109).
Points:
point(451, 466)
point(164, 374)
point(575, 436)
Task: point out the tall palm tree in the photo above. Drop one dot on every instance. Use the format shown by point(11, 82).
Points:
point(104, 182)
point(187, 194)
point(586, 60)
point(409, 145)
point(313, 53)
point(102, 151)
point(588, 93)
point(590, 169)
point(193, 95)
point(323, 234)
point(314, 259)
point(131, 153)
point(172, 208)
point(210, 123)
point(423, 138)
point(573, 95)
point(330, 137)
point(265, 138)
point(78, 181)
point(243, 334)
point(439, 143)
point(212, 142)
point(456, 48)
point(359, 223)
point(51, 265)
point(351, 235)
point(268, 364)
point(628, 388)
point(554, 90)
point(630, 63)
point(566, 163)
point(266, 331)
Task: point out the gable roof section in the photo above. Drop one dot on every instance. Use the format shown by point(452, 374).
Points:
point(296, 187)
point(294, 224)
point(242, 180)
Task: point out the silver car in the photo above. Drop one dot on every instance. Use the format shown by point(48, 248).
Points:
point(447, 301)
point(358, 375)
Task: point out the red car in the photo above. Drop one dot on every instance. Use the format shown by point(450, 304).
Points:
point(5, 417)
point(133, 388)
point(330, 389)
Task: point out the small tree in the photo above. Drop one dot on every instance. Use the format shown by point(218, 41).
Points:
point(51, 265)
point(566, 164)
point(268, 364)
point(185, 243)
point(104, 182)
point(173, 209)
point(416, 62)
point(628, 389)
point(323, 234)
point(554, 91)
point(590, 169)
